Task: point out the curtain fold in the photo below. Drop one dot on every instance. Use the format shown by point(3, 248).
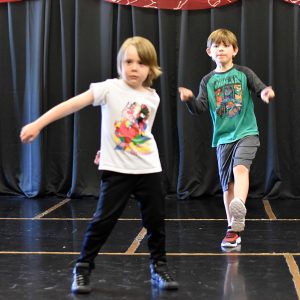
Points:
point(52, 50)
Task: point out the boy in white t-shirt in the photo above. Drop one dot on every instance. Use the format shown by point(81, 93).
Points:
point(129, 157)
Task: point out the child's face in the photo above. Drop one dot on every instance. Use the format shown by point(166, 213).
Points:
point(133, 71)
point(222, 54)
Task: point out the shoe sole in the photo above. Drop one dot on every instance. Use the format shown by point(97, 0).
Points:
point(231, 245)
point(168, 286)
point(236, 249)
point(80, 290)
point(238, 212)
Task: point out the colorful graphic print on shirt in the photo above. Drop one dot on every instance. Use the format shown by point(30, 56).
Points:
point(229, 97)
point(130, 130)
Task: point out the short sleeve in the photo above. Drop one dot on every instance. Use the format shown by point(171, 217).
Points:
point(100, 91)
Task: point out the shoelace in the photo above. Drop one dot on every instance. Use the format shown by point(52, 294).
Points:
point(165, 276)
point(81, 280)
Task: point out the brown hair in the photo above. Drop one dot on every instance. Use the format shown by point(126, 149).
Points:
point(147, 54)
point(224, 36)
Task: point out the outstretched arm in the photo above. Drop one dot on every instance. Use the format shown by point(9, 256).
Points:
point(32, 130)
point(267, 94)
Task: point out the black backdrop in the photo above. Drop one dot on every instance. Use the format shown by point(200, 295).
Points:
point(53, 49)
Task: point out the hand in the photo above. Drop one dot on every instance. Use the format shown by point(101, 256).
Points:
point(185, 94)
point(97, 158)
point(267, 94)
point(29, 133)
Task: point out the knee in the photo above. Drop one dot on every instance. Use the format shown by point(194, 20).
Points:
point(240, 170)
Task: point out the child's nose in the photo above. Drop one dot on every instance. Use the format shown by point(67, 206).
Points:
point(134, 66)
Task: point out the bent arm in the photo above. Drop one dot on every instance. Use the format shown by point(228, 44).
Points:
point(196, 105)
point(32, 130)
point(267, 94)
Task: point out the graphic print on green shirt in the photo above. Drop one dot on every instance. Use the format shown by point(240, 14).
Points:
point(229, 99)
point(231, 106)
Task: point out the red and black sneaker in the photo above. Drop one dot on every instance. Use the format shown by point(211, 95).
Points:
point(232, 239)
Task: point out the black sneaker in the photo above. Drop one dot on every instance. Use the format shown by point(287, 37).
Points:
point(161, 278)
point(81, 278)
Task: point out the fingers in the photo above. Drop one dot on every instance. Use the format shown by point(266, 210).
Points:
point(185, 93)
point(23, 137)
point(27, 135)
point(270, 92)
point(181, 91)
point(266, 100)
point(26, 139)
point(97, 158)
point(267, 94)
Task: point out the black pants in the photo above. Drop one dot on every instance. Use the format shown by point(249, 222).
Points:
point(115, 192)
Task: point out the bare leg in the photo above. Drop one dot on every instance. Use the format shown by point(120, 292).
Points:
point(227, 197)
point(231, 239)
point(237, 209)
point(241, 182)
point(239, 188)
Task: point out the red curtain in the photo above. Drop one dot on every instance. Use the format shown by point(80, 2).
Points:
point(293, 1)
point(174, 4)
point(4, 1)
point(182, 4)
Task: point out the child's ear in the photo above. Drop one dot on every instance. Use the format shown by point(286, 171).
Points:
point(208, 51)
point(236, 50)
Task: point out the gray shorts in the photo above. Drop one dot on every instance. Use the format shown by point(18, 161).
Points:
point(241, 152)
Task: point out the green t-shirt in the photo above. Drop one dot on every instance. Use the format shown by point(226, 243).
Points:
point(228, 97)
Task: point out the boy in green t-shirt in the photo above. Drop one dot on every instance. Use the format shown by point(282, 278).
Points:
point(226, 92)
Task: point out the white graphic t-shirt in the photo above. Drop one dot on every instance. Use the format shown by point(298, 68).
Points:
point(127, 144)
